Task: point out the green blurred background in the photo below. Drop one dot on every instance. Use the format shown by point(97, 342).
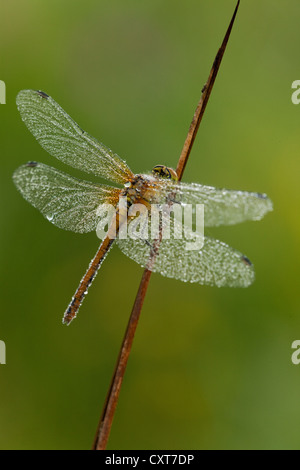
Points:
point(210, 368)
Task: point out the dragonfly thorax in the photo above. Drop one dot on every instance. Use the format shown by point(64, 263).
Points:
point(141, 189)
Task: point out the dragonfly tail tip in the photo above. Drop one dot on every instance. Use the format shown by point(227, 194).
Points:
point(66, 320)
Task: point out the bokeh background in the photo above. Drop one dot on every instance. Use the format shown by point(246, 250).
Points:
point(210, 368)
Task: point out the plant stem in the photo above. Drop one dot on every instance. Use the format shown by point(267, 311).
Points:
point(112, 397)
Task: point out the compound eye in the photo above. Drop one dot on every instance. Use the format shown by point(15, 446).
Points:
point(163, 171)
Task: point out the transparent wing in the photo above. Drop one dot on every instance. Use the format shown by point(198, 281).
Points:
point(214, 264)
point(67, 202)
point(64, 139)
point(221, 206)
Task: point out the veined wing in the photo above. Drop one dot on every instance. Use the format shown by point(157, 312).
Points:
point(64, 139)
point(221, 206)
point(67, 202)
point(214, 264)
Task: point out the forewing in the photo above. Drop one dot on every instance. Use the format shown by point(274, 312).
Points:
point(221, 206)
point(214, 264)
point(64, 139)
point(67, 202)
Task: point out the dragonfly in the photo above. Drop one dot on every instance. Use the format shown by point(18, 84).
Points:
point(73, 204)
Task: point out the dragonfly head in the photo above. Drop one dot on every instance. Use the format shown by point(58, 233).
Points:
point(163, 171)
